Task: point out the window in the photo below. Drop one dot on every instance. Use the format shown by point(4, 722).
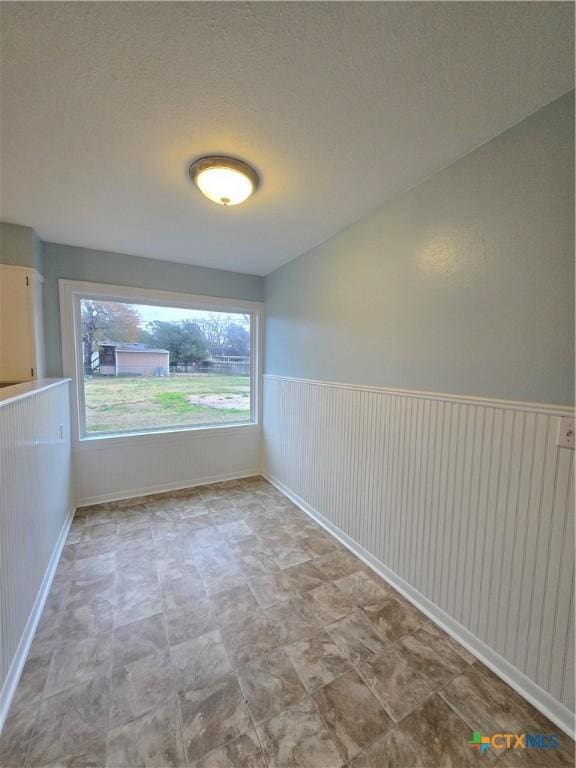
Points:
point(146, 361)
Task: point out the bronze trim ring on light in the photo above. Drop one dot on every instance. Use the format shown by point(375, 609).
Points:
point(224, 180)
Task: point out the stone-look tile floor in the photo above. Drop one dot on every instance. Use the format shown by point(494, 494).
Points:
point(219, 627)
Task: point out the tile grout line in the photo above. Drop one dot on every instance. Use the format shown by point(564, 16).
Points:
point(111, 668)
point(175, 688)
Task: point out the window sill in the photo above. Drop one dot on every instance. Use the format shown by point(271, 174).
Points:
point(162, 435)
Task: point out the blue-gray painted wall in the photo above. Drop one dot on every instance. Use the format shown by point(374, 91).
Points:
point(72, 263)
point(21, 246)
point(463, 285)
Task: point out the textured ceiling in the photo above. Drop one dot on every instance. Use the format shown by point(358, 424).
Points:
point(340, 106)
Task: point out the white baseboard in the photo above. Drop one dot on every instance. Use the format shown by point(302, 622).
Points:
point(539, 698)
point(151, 489)
point(17, 664)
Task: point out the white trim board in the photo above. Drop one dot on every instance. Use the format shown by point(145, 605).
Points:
point(161, 438)
point(487, 402)
point(15, 392)
point(107, 291)
point(166, 487)
point(19, 659)
point(539, 698)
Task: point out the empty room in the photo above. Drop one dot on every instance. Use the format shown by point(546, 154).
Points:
point(287, 423)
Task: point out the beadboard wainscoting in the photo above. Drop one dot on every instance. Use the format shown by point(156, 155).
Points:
point(35, 514)
point(114, 468)
point(466, 505)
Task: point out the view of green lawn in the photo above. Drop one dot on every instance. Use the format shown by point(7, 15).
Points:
point(118, 404)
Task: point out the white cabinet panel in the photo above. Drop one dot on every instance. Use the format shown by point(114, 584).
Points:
point(21, 335)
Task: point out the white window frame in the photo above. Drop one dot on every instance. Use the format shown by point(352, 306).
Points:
point(72, 292)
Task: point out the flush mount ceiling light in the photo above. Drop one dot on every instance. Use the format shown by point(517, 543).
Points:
point(224, 180)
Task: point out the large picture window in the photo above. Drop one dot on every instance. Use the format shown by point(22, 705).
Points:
point(148, 362)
